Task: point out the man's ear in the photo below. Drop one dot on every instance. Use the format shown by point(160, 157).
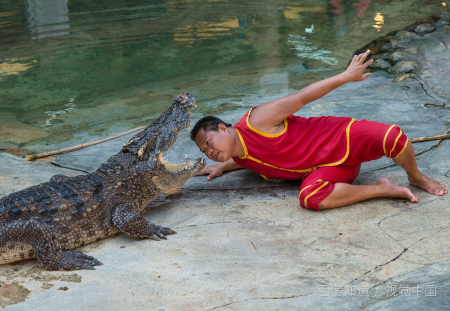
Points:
point(222, 127)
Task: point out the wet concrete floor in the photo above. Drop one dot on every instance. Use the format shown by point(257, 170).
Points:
point(245, 244)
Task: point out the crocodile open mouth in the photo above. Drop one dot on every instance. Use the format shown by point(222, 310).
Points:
point(190, 165)
point(173, 167)
point(193, 166)
point(187, 164)
point(161, 135)
point(160, 158)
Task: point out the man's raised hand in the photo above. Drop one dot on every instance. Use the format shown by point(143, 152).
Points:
point(357, 66)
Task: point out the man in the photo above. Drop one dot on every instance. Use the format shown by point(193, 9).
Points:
point(325, 152)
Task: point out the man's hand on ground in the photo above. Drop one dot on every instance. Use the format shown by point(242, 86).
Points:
point(354, 72)
point(212, 170)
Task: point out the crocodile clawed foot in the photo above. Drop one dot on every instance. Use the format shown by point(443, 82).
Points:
point(167, 231)
point(75, 260)
point(159, 233)
point(156, 237)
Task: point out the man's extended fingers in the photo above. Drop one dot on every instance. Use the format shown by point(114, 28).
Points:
point(366, 75)
point(367, 64)
point(364, 55)
point(202, 172)
point(211, 176)
point(361, 57)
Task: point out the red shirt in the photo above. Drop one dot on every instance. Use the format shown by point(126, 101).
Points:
point(303, 145)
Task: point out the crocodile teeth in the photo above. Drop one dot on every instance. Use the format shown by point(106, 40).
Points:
point(160, 158)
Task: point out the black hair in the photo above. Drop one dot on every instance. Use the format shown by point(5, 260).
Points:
point(209, 123)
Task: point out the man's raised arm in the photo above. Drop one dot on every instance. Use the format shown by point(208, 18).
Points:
point(268, 116)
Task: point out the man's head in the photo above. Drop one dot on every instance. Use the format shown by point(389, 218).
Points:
point(212, 136)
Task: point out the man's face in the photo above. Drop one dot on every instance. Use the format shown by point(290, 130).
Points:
point(216, 145)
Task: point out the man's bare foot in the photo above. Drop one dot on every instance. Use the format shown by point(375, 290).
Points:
point(428, 184)
point(396, 191)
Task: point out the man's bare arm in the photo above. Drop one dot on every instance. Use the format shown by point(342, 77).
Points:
point(268, 116)
point(218, 169)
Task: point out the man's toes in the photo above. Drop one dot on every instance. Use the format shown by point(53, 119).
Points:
point(412, 197)
point(436, 191)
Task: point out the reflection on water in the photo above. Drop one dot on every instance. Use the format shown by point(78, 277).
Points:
point(15, 65)
point(306, 50)
point(55, 114)
point(48, 18)
point(292, 12)
point(70, 70)
point(361, 5)
point(379, 20)
point(197, 32)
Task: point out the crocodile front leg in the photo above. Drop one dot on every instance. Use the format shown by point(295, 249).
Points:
point(126, 219)
point(45, 245)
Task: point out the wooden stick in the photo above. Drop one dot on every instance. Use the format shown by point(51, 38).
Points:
point(437, 137)
point(42, 155)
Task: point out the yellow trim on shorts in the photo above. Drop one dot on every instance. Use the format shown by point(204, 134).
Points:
point(404, 147)
point(395, 143)
point(263, 176)
point(266, 134)
point(385, 137)
point(302, 191)
point(347, 132)
point(247, 156)
point(314, 192)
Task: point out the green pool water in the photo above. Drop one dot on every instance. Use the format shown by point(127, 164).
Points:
point(76, 71)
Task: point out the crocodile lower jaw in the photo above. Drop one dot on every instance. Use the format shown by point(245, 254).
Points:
point(187, 164)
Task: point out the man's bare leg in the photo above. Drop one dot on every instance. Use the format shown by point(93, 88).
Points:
point(407, 160)
point(346, 194)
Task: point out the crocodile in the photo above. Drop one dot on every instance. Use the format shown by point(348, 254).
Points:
point(48, 220)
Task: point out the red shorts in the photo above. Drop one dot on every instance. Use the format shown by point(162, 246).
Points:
point(368, 141)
